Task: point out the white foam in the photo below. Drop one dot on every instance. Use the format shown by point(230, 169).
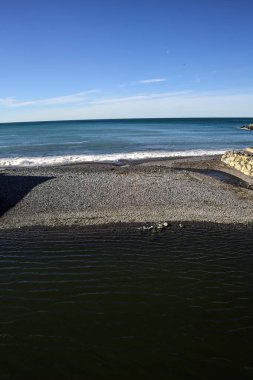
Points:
point(113, 158)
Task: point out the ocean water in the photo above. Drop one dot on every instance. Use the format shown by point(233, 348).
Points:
point(47, 143)
point(78, 304)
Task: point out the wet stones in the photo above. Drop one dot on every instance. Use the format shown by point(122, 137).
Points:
point(159, 227)
point(156, 227)
point(240, 160)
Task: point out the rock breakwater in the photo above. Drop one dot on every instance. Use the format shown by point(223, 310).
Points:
point(249, 127)
point(240, 160)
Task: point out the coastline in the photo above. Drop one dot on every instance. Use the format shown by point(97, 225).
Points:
point(182, 189)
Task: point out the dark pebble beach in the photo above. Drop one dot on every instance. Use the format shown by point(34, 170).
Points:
point(198, 189)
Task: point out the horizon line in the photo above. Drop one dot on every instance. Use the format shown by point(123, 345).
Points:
point(126, 118)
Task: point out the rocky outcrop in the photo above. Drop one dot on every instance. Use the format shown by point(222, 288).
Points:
point(249, 127)
point(240, 160)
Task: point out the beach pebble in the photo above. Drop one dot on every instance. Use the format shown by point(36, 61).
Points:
point(146, 228)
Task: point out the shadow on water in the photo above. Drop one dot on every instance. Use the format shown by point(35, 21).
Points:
point(227, 178)
point(14, 188)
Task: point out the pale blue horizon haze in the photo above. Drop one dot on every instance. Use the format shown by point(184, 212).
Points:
point(109, 59)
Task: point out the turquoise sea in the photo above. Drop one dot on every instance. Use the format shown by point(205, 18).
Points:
point(61, 142)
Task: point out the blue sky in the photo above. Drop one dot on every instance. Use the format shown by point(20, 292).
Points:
point(105, 59)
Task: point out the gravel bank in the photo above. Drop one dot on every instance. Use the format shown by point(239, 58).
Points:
point(184, 189)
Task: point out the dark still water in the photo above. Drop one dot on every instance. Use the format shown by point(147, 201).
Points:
point(76, 305)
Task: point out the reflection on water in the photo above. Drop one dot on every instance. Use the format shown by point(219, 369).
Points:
point(78, 305)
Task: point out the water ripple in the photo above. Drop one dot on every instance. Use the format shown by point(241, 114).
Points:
point(102, 305)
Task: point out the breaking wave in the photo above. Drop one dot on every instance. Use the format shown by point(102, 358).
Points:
point(103, 158)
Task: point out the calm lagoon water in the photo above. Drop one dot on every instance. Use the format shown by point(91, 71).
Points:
point(95, 305)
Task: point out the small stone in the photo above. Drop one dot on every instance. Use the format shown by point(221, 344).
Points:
point(181, 225)
point(145, 228)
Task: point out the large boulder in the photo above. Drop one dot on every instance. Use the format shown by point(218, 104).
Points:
point(249, 127)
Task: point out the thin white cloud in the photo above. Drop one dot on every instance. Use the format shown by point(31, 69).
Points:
point(67, 99)
point(178, 104)
point(6, 101)
point(143, 81)
point(188, 105)
point(150, 81)
point(125, 99)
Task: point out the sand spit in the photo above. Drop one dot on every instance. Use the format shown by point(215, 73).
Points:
point(197, 189)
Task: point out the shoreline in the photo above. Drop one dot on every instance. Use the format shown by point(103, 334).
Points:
point(121, 229)
point(112, 158)
point(199, 189)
